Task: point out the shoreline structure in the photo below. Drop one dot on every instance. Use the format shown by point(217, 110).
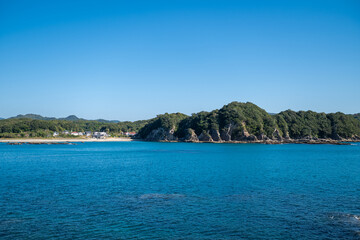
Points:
point(71, 140)
point(61, 140)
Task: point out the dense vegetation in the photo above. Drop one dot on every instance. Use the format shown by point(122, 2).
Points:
point(246, 121)
point(166, 121)
point(235, 121)
point(357, 116)
point(26, 127)
point(237, 115)
point(68, 118)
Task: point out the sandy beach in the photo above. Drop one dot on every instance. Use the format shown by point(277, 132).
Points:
point(40, 140)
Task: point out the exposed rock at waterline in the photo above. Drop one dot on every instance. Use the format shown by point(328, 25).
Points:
point(276, 135)
point(160, 134)
point(205, 137)
point(215, 135)
point(191, 136)
point(226, 133)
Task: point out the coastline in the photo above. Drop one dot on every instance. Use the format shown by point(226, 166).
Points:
point(272, 142)
point(81, 140)
point(61, 140)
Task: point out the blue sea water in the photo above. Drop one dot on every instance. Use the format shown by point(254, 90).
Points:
point(144, 190)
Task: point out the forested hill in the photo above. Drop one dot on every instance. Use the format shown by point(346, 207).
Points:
point(27, 127)
point(234, 122)
point(247, 122)
point(68, 118)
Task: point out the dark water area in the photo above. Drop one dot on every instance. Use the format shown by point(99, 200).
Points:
point(143, 190)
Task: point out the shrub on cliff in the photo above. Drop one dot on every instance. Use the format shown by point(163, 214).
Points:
point(256, 119)
point(166, 121)
point(344, 125)
point(303, 124)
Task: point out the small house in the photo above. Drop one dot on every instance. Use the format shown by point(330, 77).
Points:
point(100, 135)
point(129, 134)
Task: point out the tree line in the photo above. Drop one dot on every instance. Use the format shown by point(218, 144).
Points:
point(239, 118)
point(26, 127)
point(235, 118)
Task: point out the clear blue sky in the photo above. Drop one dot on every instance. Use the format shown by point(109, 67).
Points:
point(130, 60)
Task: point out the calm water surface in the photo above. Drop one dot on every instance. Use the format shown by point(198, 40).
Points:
point(140, 190)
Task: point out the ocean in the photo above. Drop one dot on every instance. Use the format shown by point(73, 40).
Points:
point(146, 190)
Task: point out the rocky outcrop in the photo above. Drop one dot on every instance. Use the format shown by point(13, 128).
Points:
point(355, 137)
point(287, 136)
point(336, 136)
point(262, 137)
point(245, 135)
point(226, 133)
point(246, 122)
point(205, 137)
point(161, 134)
point(231, 133)
point(191, 136)
point(251, 138)
point(215, 135)
point(276, 135)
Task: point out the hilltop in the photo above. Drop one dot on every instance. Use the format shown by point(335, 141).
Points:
point(246, 122)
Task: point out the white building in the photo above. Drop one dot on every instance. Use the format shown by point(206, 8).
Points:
point(130, 134)
point(100, 135)
point(55, 134)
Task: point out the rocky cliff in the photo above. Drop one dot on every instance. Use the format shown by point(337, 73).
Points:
point(246, 122)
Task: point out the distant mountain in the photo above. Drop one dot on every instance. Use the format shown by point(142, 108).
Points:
point(71, 118)
point(107, 121)
point(33, 116)
point(68, 118)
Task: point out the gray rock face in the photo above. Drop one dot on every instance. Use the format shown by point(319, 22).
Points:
point(287, 136)
point(262, 137)
point(215, 135)
point(244, 133)
point(307, 138)
point(161, 134)
point(336, 136)
point(225, 134)
point(191, 136)
point(355, 137)
point(205, 137)
point(251, 138)
point(276, 135)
